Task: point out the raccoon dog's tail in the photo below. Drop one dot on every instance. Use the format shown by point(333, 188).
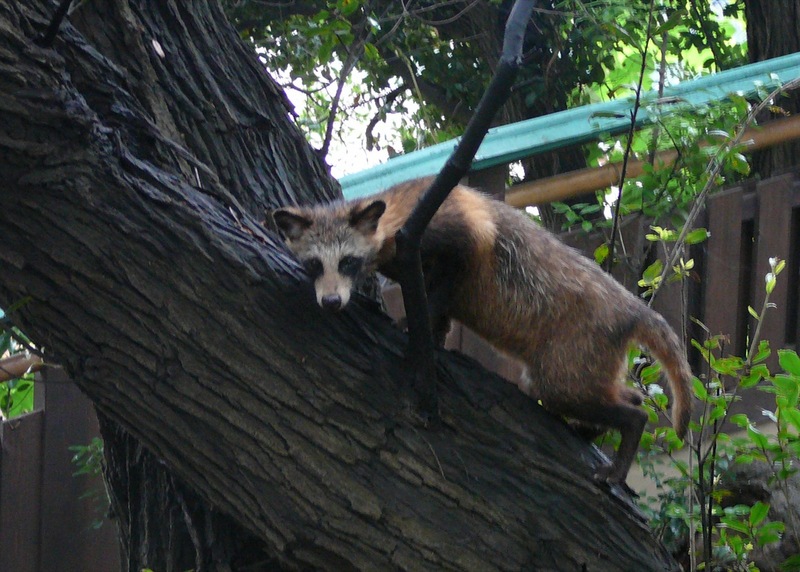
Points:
point(653, 332)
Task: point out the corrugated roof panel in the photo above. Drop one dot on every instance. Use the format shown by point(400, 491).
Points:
point(574, 126)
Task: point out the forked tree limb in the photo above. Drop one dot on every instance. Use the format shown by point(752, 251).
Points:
point(197, 333)
point(421, 347)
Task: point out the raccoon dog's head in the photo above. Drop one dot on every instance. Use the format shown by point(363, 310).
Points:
point(338, 245)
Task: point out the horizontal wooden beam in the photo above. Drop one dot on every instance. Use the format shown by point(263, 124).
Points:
point(575, 183)
point(18, 365)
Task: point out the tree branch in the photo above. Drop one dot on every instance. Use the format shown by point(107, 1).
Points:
point(409, 237)
point(431, 92)
point(49, 36)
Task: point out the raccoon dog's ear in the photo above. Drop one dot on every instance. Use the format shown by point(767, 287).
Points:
point(365, 220)
point(291, 222)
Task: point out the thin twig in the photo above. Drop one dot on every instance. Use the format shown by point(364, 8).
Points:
point(389, 99)
point(710, 41)
point(629, 146)
point(353, 55)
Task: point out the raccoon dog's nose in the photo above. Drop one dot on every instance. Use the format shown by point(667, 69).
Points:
point(332, 302)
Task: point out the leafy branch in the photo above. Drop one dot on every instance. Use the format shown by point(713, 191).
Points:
point(711, 175)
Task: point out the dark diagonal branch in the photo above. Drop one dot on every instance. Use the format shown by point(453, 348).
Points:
point(49, 36)
point(420, 343)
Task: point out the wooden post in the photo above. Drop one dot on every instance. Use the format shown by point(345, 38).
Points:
point(21, 442)
point(68, 539)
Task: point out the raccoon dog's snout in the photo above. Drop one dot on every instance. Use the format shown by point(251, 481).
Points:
point(332, 302)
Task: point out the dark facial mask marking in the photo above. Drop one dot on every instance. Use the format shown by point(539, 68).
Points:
point(350, 266)
point(314, 267)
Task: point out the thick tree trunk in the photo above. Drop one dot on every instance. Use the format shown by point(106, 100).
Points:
point(773, 29)
point(136, 158)
point(163, 525)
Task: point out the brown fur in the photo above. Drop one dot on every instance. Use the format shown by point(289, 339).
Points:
point(528, 294)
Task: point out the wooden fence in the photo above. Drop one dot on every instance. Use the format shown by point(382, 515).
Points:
point(45, 524)
point(749, 225)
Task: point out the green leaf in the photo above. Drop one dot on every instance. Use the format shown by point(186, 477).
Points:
point(792, 416)
point(347, 7)
point(739, 163)
point(601, 253)
point(653, 271)
point(787, 387)
point(371, 52)
point(728, 365)
point(763, 352)
point(736, 525)
point(791, 564)
point(758, 512)
point(771, 282)
point(764, 537)
point(699, 389)
point(697, 236)
point(750, 380)
point(677, 18)
point(740, 420)
point(790, 362)
point(674, 510)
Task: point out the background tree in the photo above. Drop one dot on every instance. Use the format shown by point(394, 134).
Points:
point(419, 60)
point(244, 428)
point(773, 30)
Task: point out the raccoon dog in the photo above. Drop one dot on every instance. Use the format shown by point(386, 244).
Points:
point(515, 284)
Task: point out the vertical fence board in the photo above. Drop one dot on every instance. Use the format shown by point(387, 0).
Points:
point(68, 540)
point(793, 272)
point(21, 444)
point(772, 240)
point(722, 264)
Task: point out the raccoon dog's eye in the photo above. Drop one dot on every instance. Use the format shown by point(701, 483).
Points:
point(313, 267)
point(350, 266)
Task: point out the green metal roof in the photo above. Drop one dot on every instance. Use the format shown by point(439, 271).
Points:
point(583, 124)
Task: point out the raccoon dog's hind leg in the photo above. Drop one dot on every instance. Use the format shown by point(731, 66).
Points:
point(623, 414)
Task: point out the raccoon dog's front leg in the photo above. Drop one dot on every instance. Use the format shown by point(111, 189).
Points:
point(440, 281)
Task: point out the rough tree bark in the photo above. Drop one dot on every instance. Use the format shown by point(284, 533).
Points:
point(245, 426)
point(773, 29)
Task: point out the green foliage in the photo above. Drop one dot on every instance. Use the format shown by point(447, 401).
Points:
point(16, 395)
point(88, 461)
point(697, 499)
point(88, 458)
point(420, 68)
